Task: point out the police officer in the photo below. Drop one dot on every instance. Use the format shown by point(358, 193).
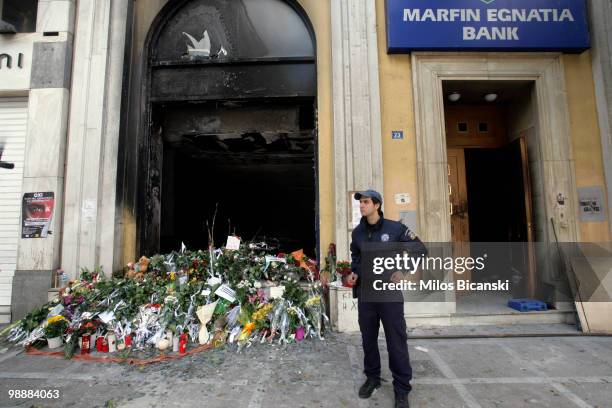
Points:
point(375, 228)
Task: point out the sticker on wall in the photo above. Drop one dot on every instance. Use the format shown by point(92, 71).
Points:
point(37, 213)
point(590, 203)
point(402, 198)
point(88, 210)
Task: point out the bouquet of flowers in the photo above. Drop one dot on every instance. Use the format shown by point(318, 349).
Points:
point(343, 268)
point(56, 326)
point(221, 295)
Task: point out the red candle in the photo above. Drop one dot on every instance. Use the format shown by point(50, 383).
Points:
point(85, 344)
point(183, 343)
point(128, 340)
point(99, 344)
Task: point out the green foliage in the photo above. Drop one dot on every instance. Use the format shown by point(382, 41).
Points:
point(295, 294)
point(70, 347)
point(89, 276)
point(33, 319)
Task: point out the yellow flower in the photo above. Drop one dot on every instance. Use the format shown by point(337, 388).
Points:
point(172, 276)
point(262, 312)
point(56, 319)
point(313, 300)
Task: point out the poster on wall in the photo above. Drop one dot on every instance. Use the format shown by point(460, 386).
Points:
point(590, 200)
point(37, 214)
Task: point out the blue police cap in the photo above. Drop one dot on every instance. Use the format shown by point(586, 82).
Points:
point(368, 194)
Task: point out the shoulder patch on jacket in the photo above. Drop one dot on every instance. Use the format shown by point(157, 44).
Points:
point(409, 233)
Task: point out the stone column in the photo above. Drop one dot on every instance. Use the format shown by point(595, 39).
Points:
point(601, 39)
point(356, 99)
point(90, 218)
point(48, 104)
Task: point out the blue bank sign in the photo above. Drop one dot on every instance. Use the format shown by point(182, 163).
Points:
point(494, 25)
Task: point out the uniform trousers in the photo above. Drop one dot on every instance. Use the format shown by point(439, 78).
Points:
point(391, 314)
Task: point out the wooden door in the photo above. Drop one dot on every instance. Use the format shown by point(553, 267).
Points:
point(521, 216)
point(457, 191)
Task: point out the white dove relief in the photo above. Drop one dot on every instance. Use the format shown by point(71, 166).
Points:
point(199, 48)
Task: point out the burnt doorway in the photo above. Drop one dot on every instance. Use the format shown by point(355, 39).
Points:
point(253, 167)
point(231, 126)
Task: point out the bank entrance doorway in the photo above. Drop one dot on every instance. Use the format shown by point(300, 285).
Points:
point(489, 125)
point(230, 138)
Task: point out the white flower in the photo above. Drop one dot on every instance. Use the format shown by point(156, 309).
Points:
point(274, 264)
point(257, 284)
point(170, 299)
point(213, 281)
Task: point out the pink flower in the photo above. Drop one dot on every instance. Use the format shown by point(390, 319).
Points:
point(261, 294)
point(299, 333)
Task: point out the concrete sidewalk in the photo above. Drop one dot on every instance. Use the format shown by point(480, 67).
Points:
point(509, 372)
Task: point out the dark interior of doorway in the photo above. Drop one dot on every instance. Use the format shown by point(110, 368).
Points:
point(253, 164)
point(496, 202)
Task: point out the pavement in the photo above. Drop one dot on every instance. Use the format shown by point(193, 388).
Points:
point(561, 371)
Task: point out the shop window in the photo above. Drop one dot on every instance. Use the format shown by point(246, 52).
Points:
point(462, 127)
point(18, 16)
point(483, 127)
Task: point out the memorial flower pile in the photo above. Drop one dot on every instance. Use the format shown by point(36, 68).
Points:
point(183, 299)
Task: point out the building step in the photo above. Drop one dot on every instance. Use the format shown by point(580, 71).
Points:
point(5, 314)
point(487, 330)
point(498, 319)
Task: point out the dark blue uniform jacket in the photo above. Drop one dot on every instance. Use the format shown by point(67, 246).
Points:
point(383, 231)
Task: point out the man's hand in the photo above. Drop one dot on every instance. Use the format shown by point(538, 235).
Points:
point(352, 278)
point(397, 277)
